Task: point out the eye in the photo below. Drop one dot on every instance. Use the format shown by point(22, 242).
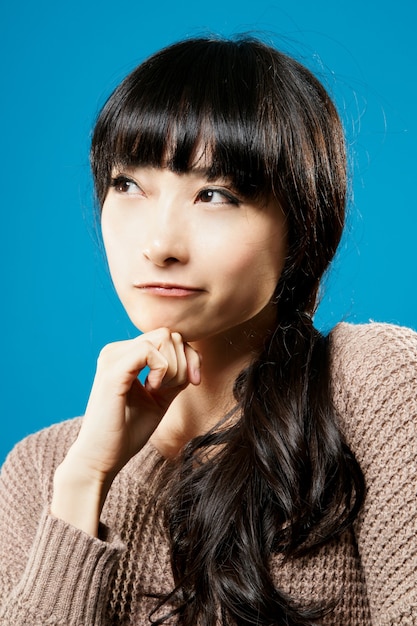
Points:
point(125, 185)
point(217, 196)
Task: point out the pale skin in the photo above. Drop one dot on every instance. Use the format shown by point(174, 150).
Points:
point(195, 266)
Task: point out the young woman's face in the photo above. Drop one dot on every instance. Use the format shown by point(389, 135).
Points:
point(190, 255)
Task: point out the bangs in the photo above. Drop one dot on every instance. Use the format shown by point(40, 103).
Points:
point(191, 106)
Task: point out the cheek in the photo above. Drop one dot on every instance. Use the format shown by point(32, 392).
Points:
point(258, 259)
point(119, 234)
point(108, 230)
point(110, 244)
point(117, 254)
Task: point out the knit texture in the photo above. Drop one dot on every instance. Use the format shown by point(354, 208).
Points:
point(54, 574)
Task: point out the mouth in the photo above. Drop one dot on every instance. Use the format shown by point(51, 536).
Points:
point(169, 290)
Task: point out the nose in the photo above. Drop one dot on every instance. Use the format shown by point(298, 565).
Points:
point(165, 240)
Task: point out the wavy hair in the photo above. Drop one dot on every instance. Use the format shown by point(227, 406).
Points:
point(279, 479)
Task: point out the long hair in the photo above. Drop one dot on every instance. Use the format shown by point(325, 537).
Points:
point(279, 479)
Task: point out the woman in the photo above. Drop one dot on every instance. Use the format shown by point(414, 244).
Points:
point(263, 474)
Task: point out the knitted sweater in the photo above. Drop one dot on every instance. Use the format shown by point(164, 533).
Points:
point(54, 574)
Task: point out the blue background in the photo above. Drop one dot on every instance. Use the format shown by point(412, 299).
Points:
point(60, 61)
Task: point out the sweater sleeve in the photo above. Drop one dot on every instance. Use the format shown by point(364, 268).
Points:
point(50, 572)
point(375, 386)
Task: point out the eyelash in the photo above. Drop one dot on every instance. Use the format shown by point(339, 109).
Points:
point(229, 197)
point(118, 181)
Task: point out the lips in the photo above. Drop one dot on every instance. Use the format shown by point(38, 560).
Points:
point(169, 290)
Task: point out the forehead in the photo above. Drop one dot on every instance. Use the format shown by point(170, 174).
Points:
point(195, 176)
point(200, 160)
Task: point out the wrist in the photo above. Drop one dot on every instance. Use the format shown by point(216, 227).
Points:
point(79, 494)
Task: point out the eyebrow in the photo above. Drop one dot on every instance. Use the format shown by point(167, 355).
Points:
point(204, 172)
point(200, 171)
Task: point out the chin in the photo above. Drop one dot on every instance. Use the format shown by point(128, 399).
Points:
point(187, 334)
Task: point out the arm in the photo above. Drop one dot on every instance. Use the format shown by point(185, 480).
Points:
point(378, 390)
point(62, 573)
point(121, 415)
point(39, 552)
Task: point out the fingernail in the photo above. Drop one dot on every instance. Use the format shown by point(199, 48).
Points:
point(196, 376)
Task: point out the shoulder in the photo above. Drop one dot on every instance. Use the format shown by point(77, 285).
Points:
point(374, 386)
point(49, 442)
point(373, 357)
point(373, 345)
point(374, 381)
point(36, 457)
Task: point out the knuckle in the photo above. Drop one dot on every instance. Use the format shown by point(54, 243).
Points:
point(106, 354)
point(164, 363)
point(164, 334)
point(156, 359)
point(147, 344)
point(155, 337)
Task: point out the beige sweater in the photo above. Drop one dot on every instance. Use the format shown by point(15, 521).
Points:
point(54, 574)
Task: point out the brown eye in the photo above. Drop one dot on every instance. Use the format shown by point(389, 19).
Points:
point(124, 185)
point(217, 196)
point(207, 195)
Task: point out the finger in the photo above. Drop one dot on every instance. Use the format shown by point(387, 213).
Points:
point(162, 342)
point(159, 363)
point(178, 377)
point(172, 346)
point(119, 365)
point(193, 359)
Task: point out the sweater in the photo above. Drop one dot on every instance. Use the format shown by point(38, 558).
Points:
point(54, 574)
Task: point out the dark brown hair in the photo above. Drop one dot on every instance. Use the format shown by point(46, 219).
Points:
point(283, 480)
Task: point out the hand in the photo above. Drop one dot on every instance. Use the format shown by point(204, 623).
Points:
point(122, 414)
